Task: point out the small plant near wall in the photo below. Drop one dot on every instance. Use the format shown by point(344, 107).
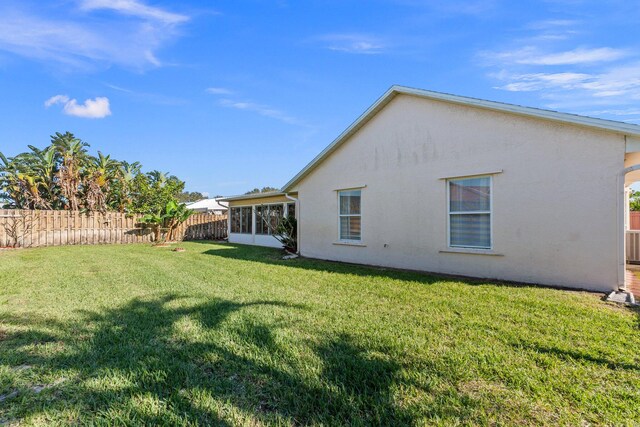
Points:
point(165, 222)
point(287, 233)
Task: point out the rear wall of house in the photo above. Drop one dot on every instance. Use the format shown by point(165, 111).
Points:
point(554, 204)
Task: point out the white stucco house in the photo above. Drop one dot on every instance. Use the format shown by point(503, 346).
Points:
point(477, 188)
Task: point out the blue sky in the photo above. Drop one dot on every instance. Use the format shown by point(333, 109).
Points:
point(232, 95)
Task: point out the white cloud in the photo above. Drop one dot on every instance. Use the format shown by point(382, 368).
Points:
point(551, 24)
point(353, 43)
point(119, 88)
point(97, 108)
point(134, 8)
point(576, 56)
point(263, 110)
point(56, 39)
point(58, 99)
point(606, 93)
point(548, 64)
point(152, 59)
point(534, 56)
point(551, 31)
point(154, 98)
point(616, 91)
point(539, 81)
point(617, 81)
point(616, 112)
point(219, 91)
point(92, 108)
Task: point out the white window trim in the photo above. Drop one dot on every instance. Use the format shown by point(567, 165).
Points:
point(255, 222)
point(490, 212)
point(355, 187)
point(355, 242)
point(253, 215)
point(472, 175)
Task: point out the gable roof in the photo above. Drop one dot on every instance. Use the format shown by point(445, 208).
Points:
point(574, 119)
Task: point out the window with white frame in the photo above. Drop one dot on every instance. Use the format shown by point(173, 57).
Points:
point(261, 226)
point(234, 220)
point(349, 215)
point(241, 220)
point(247, 220)
point(268, 217)
point(470, 212)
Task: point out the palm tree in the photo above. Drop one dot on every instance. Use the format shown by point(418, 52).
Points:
point(44, 165)
point(157, 178)
point(122, 190)
point(73, 157)
point(29, 186)
point(64, 176)
point(97, 181)
point(9, 188)
point(20, 183)
point(106, 167)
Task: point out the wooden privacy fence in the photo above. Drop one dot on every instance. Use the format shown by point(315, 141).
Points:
point(27, 228)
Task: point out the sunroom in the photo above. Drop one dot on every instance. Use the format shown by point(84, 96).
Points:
point(253, 217)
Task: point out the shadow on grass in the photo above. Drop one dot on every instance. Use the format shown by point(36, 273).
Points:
point(273, 256)
point(117, 359)
point(579, 356)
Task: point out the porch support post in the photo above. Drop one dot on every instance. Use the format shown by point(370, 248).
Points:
point(622, 250)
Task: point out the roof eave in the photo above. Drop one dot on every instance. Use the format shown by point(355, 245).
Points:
point(251, 196)
point(576, 119)
point(353, 128)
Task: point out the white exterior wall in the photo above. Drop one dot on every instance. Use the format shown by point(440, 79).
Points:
point(254, 239)
point(555, 217)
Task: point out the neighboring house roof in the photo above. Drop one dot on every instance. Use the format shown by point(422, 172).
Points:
point(208, 204)
point(253, 196)
point(574, 119)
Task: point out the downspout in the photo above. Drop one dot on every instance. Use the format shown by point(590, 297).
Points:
point(297, 202)
point(621, 229)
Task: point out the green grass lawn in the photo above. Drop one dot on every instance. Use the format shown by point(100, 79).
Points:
point(232, 335)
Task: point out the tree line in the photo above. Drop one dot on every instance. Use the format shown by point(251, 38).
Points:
point(64, 175)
